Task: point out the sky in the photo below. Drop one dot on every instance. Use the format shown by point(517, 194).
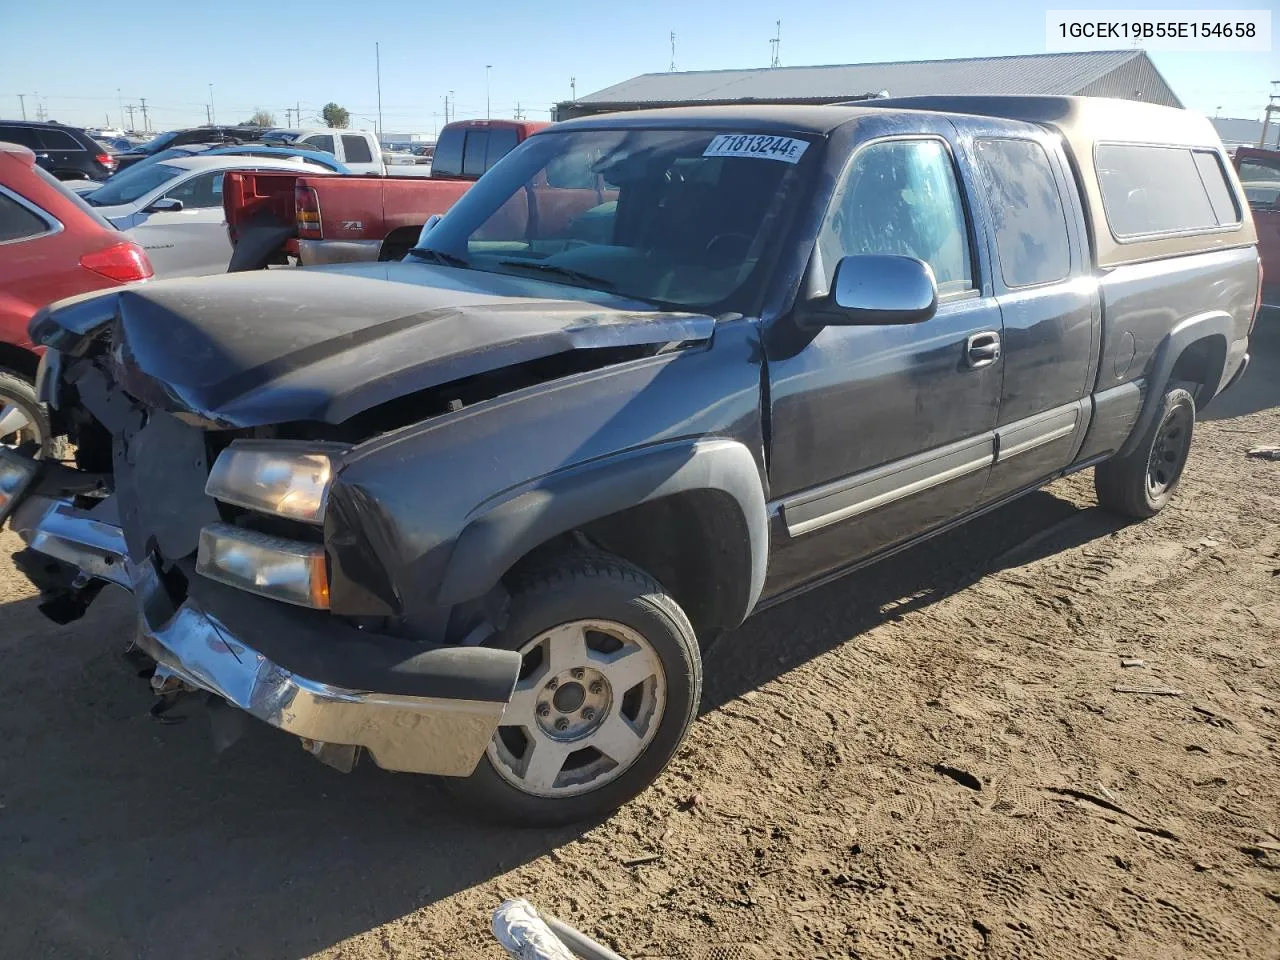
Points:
point(81, 59)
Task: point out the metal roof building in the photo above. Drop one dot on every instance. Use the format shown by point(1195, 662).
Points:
point(1247, 133)
point(1128, 74)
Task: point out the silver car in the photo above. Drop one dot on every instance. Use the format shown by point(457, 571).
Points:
point(173, 209)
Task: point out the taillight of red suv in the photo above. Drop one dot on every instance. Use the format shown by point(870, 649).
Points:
point(122, 261)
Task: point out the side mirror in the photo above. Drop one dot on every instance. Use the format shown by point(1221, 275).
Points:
point(426, 228)
point(165, 205)
point(870, 289)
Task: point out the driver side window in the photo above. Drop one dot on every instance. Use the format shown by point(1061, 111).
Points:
point(901, 197)
point(199, 192)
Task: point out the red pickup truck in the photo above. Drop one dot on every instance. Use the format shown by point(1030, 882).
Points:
point(315, 219)
point(1259, 172)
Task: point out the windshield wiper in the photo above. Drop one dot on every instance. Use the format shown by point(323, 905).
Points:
point(439, 256)
point(577, 276)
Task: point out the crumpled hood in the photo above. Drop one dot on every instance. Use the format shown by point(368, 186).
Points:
point(274, 346)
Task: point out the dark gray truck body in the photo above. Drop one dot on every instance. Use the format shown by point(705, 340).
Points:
point(738, 458)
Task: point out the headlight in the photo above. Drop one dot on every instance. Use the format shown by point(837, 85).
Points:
point(285, 479)
point(282, 569)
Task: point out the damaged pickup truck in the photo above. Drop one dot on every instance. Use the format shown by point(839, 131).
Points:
point(477, 512)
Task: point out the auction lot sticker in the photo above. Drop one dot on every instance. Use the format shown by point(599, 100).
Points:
point(764, 146)
point(1198, 30)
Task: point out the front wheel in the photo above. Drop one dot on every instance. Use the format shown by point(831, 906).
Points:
point(23, 419)
point(1140, 484)
point(607, 692)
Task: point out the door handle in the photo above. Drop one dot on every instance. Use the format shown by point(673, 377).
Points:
point(982, 349)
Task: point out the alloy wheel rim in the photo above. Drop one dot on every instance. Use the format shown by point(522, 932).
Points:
point(589, 701)
point(17, 426)
point(1169, 452)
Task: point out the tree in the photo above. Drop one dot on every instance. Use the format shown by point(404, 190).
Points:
point(262, 118)
point(335, 116)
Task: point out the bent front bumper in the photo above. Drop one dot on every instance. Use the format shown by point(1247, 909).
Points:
point(415, 708)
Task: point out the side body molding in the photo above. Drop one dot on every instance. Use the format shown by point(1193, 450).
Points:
point(505, 528)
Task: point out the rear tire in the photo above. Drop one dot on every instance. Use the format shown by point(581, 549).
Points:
point(609, 689)
point(23, 418)
point(1141, 483)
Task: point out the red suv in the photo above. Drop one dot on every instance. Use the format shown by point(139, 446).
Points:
point(52, 245)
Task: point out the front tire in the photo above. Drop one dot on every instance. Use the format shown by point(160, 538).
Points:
point(608, 690)
point(23, 419)
point(1140, 484)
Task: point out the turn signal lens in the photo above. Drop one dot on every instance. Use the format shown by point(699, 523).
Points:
point(274, 567)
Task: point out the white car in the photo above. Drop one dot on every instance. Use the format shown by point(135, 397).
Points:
point(173, 209)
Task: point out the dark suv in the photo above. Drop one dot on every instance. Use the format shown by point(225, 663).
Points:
point(67, 152)
point(180, 138)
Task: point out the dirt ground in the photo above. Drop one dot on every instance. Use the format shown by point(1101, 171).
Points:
point(932, 758)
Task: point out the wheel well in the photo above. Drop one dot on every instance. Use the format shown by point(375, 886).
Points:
point(696, 544)
point(1201, 363)
point(18, 360)
point(400, 237)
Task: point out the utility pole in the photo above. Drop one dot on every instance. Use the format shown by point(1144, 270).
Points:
point(377, 56)
point(208, 114)
point(487, 68)
point(146, 123)
point(573, 88)
point(519, 113)
point(130, 109)
point(775, 46)
point(22, 99)
point(453, 103)
point(673, 51)
point(120, 102)
point(213, 111)
point(297, 113)
point(1273, 106)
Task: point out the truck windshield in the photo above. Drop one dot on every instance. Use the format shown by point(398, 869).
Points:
point(683, 218)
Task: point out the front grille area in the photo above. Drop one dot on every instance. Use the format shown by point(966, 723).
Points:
point(160, 473)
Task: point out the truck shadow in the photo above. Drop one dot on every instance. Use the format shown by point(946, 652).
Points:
point(778, 639)
point(124, 836)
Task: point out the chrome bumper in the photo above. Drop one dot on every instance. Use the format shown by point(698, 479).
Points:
point(315, 253)
point(442, 736)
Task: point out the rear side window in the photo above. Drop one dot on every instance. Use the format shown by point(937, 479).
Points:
point(1152, 190)
point(17, 222)
point(23, 136)
point(58, 140)
point(448, 156)
point(1026, 208)
point(502, 140)
point(1215, 183)
point(473, 153)
point(320, 142)
point(356, 149)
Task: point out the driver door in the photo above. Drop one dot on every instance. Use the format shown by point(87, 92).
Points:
point(880, 433)
point(192, 241)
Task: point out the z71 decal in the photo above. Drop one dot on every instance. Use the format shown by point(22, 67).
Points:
point(352, 224)
point(786, 149)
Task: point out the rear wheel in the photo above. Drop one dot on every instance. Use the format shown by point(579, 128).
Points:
point(23, 419)
point(608, 689)
point(1140, 484)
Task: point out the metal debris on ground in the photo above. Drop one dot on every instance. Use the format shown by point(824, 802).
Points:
point(1265, 453)
point(1133, 662)
point(1150, 691)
